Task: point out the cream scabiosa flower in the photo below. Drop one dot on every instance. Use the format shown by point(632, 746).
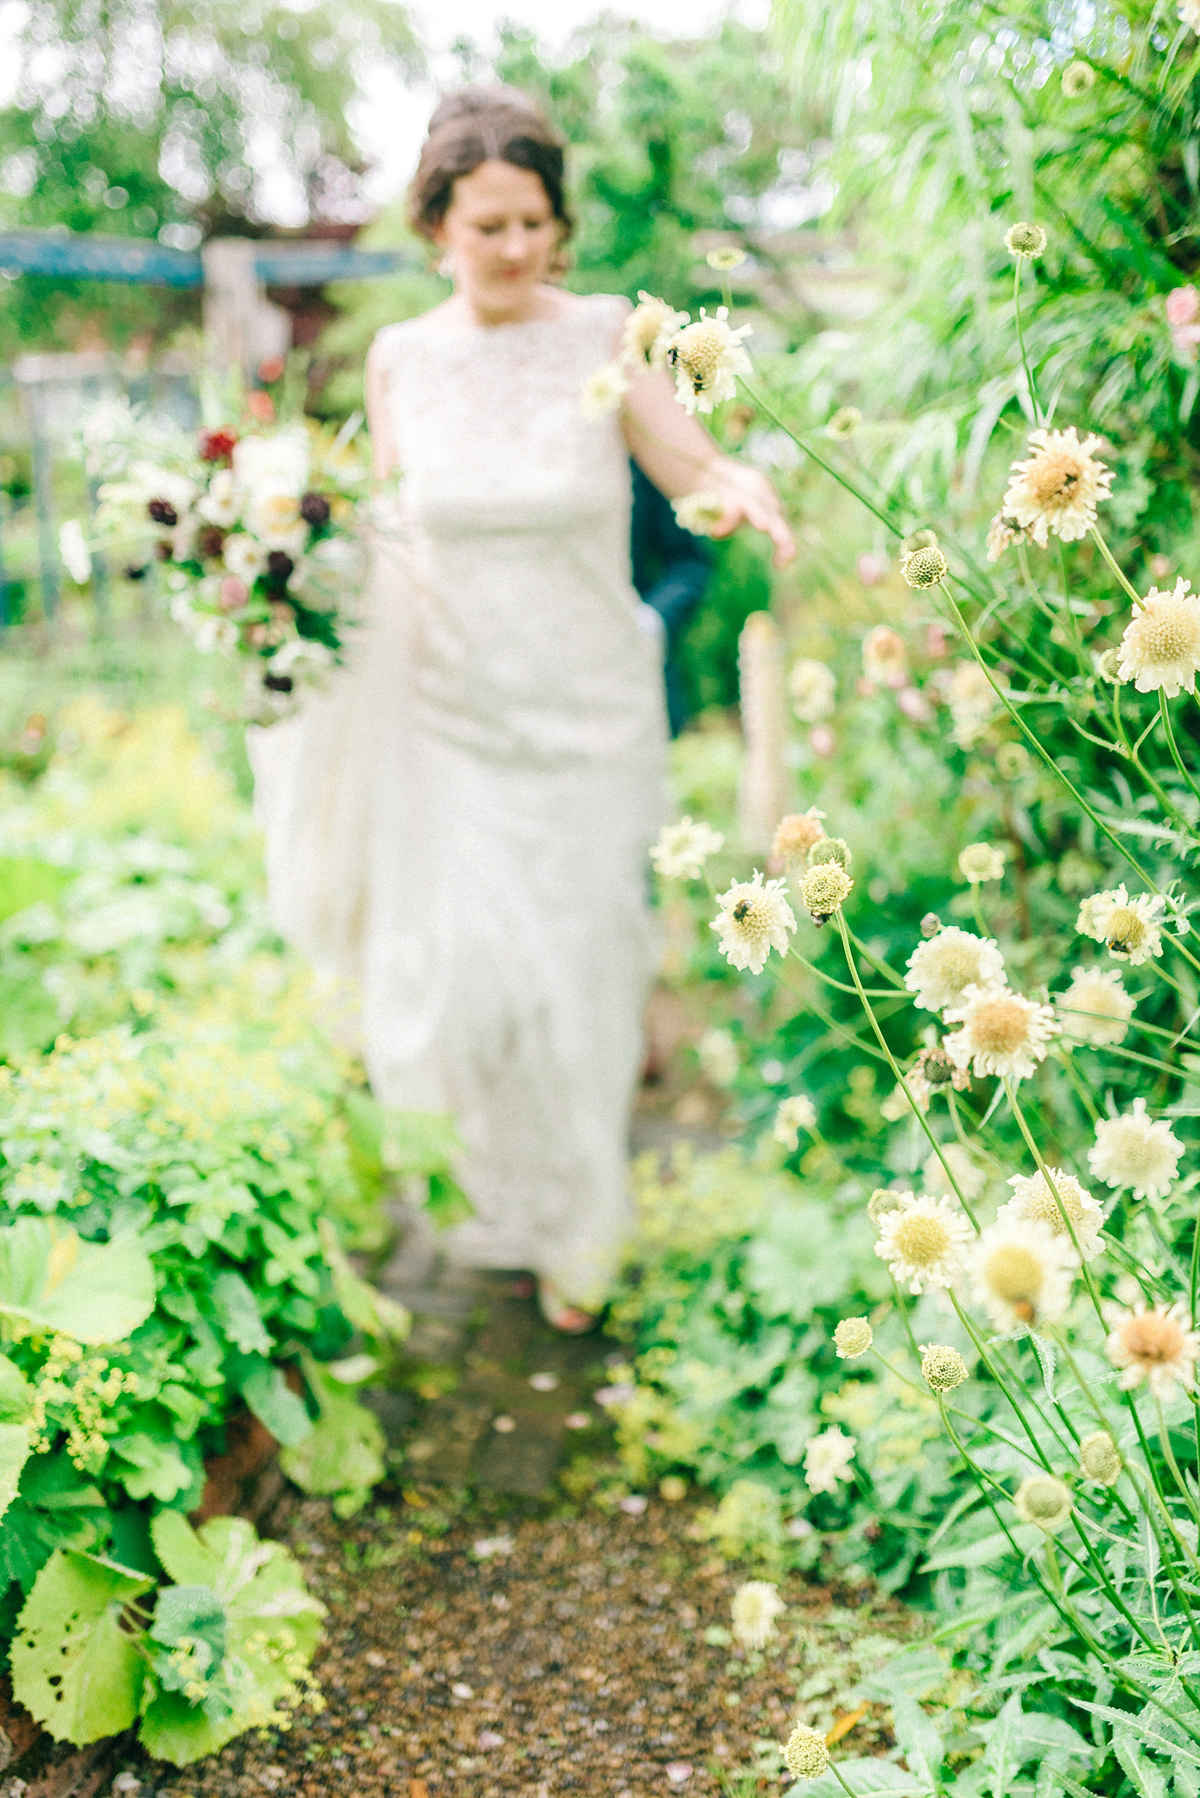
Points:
point(827, 1459)
point(1137, 1151)
point(648, 330)
point(1160, 650)
point(806, 1752)
point(852, 1338)
point(1033, 1199)
point(942, 968)
point(1095, 1008)
point(924, 1241)
point(756, 1604)
point(793, 1115)
point(1043, 1500)
point(1022, 1273)
point(1058, 487)
point(982, 861)
point(1128, 928)
point(1002, 1032)
point(707, 358)
point(683, 848)
point(795, 836)
point(754, 919)
point(1157, 1346)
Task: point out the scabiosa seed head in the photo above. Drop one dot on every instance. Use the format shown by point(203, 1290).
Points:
point(1095, 1008)
point(1078, 78)
point(1138, 1151)
point(881, 1202)
point(982, 861)
point(824, 889)
point(754, 918)
point(942, 1368)
point(930, 924)
point(924, 568)
point(918, 540)
point(1058, 487)
point(805, 1753)
point(727, 257)
point(852, 1338)
point(1025, 241)
point(1043, 1500)
point(830, 849)
point(923, 1241)
point(1108, 667)
point(1100, 1458)
point(756, 1604)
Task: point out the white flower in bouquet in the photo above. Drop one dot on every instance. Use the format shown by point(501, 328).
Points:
point(1160, 649)
point(1095, 1008)
point(302, 660)
point(1032, 1198)
point(209, 632)
point(1023, 1273)
point(923, 1241)
point(162, 489)
point(683, 848)
point(649, 328)
point(280, 463)
point(274, 518)
point(792, 1115)
point(756, 1604)
point(244, 557)
point(1058, 487)
point(942, 967)
point(1128, 928)
point(1157, 1346)
point(1138, 1151)
point(754, 918)
point(707, 358)
point(220, 504)
point(603, 391)
point(1002, 1032)
point(827, 1459)
point(699, 513)
point(813, 687)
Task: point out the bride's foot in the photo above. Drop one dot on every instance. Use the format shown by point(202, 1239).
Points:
point(567, 1319)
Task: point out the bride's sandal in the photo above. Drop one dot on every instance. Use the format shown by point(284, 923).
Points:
point(567, 1319)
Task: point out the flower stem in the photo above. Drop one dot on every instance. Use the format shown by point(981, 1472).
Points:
point(1030, 382)
point(1114, 565)
point(764, 406)
point(1165, 714)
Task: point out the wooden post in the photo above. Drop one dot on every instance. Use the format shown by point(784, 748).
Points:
point(241, 326)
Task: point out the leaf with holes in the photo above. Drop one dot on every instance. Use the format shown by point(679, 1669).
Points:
point(73, 1666)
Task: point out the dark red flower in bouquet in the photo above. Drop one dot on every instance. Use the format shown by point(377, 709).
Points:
point(279, 566)
point(314, 509)
point(162, 512)
point(164, 549)
point(218, 445)
point(211, 540)
point(261, 406)
point(270, 368)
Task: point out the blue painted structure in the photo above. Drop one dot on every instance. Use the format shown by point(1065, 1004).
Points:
point(140, 260)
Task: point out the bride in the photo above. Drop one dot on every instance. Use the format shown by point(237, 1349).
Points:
point(460, 825)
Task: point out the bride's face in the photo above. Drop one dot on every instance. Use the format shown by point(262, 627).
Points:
point(500, 235)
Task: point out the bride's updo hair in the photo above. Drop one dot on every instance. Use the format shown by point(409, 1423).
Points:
point(473, 125)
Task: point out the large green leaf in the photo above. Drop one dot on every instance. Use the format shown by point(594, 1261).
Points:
point(274, 1403)
point(73, 1667)
point(342, 1457)
point(238, 1314)
point(95, 1292)
point(149, 1467)
point(365, 1307)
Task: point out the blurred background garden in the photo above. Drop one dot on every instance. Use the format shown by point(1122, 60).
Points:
point(1026, 1604)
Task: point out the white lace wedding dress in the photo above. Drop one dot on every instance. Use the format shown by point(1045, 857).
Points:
point(460, 824)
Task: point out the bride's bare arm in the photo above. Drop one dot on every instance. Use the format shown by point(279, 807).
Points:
point(679, 456)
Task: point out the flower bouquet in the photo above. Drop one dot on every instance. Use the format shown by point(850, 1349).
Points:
point(257, 527)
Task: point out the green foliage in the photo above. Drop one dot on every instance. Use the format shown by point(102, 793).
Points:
point(74, 1667)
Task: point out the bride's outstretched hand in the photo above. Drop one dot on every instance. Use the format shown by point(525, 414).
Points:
point(751, 499)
